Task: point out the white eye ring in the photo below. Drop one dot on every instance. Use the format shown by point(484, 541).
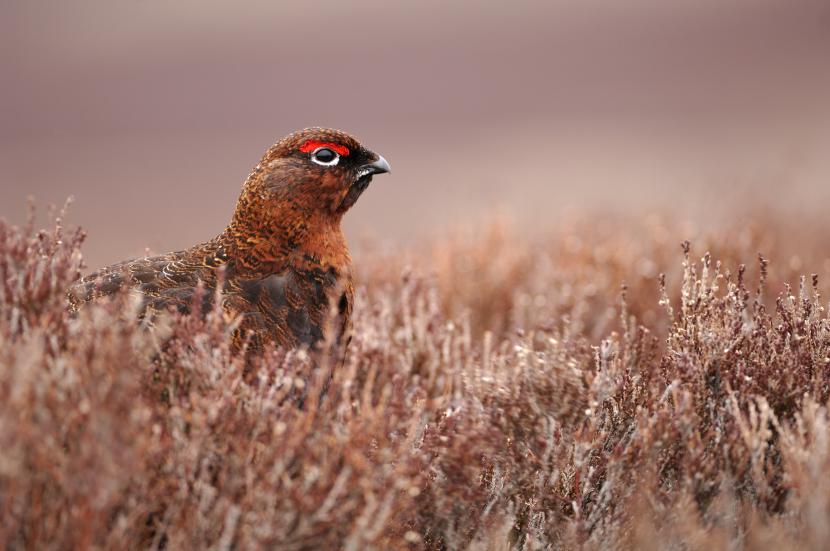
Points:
point(332, 162)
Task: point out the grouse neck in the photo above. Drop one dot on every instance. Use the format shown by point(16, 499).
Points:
point(295, 239)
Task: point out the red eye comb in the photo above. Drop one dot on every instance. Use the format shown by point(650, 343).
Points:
point(311, 145)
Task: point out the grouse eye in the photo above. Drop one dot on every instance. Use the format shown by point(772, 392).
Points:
point(325, 156)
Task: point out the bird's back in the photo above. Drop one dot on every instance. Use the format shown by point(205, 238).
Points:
point(163, 282)
point(295, 305)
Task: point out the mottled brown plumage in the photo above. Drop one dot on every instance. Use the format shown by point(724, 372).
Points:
point(283, 258)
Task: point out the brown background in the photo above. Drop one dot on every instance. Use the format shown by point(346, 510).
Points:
point(151, 114)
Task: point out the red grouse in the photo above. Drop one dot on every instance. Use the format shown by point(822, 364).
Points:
point(284, 262)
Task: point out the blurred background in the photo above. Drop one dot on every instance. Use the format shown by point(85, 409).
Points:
point(152, 114)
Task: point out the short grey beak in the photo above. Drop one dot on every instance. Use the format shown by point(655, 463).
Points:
point(378, 167)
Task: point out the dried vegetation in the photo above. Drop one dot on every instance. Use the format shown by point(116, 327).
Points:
point(601, 388)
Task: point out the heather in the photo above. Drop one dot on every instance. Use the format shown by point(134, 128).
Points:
point(621, 383)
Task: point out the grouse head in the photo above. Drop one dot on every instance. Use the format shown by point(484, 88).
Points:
point(316, 172)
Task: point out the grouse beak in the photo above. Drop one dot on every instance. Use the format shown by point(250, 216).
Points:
point(364, 177)
point(381, 166)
